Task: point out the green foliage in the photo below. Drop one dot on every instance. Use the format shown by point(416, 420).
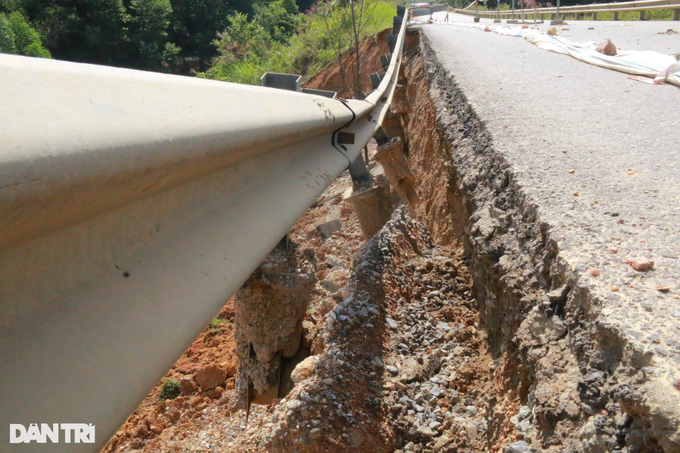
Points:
point(80, 30)
point(196, 24)
point(279, 19)
point(216, 322)
point(278, 39)
point(659, 14)
point(248, 48)
point(6, 36)
point(8, 6)
point(170, 389)
point(147, 37)
point(17, 37)
point(240, 39)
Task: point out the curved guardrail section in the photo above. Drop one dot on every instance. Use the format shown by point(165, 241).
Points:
point(635, 6)
point(132, 205)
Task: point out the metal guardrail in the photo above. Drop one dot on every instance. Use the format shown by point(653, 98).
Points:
point(638, 6)
point(132, 205)
point(428, 10)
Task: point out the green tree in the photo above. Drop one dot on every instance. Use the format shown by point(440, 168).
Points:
point(17, 37)
point(279, 19)
point(80, 30)
point(346, 23)
point(8, 6)
point(197, 23)
point(146, 35)
point(7, 44)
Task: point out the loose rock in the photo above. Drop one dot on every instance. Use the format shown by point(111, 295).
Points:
point(425, 431)
point(210, 377)
point(606, 47)
point(303, 370)
point(517, 447)
point(640, 263)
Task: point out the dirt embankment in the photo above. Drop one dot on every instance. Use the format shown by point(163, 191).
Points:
point(456, 328)
point(336, 79)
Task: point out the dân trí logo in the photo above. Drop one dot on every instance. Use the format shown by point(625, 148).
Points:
point(56, 433)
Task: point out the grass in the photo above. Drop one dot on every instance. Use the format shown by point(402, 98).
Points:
point(306, 53)
point(659, 14)
point(218, 322)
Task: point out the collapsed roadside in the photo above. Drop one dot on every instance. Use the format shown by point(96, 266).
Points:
point(457, 327)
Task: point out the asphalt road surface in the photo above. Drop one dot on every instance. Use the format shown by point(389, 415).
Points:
point(600, 155)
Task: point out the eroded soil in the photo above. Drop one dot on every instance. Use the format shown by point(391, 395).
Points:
point(453, 329)
point(400, 361)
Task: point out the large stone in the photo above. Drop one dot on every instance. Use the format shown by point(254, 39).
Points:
point(269, 310)
point(606, 47)
point(391, 156)
point(210, 377)
point(304, 369)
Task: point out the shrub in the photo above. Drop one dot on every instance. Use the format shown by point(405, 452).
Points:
point(17, 37)
point(170, 389)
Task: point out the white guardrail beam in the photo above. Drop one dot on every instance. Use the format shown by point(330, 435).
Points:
point(644, 5)
point(132, 206)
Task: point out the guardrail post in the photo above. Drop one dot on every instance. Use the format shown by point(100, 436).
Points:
point(396, 24)
point(385, 61)
point(556, 18)
point(324, 93)
point(376, 78)
point(676, 14)
point(291, 82)
point(391, 42)
point(535, 12)
point(594, 16)
point(642, 15)
point(616, 15)
point(359, 172)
